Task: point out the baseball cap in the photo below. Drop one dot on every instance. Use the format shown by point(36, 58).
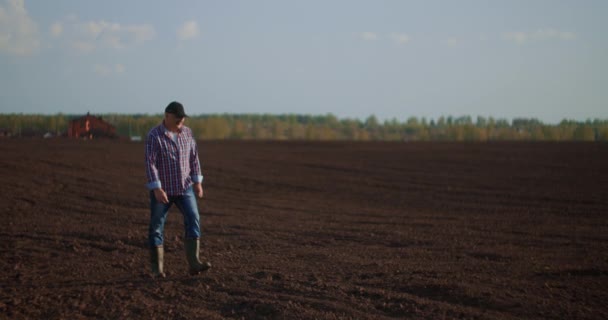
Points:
point(177, 109)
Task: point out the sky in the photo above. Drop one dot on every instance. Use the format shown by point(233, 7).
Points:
point(544, 59)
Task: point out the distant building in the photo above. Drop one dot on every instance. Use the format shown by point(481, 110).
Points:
point(90, 127)
point(5, 132)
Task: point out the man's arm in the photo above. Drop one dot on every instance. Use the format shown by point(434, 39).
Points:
point(152, 150)
point(195, 170)
point(195, 165)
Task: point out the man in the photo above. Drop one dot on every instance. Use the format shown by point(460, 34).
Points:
point(174, 177)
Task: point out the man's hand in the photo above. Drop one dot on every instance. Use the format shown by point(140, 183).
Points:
point(198, 190)
point(161, 196)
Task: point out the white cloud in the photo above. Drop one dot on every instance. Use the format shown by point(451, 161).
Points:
point(539, 35)
point(188, 30)
point(87, 36)
point(141, 33)
point(400, 38)
point(452, 42)
point(107, 70)
point(369, 36)
point(56, 29)
point(102, 69)
point(119, 68)
point(568, 35)
point(517, 37)
point(18, 32)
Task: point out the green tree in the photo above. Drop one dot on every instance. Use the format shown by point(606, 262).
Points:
point(239, 130)
point(584, 132)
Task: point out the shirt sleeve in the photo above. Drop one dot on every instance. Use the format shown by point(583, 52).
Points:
point(195, 165)
point(152, 149)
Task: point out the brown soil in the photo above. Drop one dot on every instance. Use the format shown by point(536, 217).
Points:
point(300, 230)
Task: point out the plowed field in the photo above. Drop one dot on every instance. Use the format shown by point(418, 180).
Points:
point(299, 230)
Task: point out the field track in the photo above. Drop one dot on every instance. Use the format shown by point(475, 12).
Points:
point(311, 230)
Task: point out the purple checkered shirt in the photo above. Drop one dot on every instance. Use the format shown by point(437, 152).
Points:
point(174, 167)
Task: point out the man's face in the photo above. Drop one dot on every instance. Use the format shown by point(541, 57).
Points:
point(173, 119)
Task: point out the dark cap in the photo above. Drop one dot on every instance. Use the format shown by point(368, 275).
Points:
point(177, 109)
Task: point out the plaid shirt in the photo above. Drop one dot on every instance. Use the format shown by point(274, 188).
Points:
point(174, 167)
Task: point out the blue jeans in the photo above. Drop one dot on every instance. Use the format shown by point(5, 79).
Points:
point(186, 203)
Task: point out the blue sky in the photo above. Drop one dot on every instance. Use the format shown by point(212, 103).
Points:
point(512, 58)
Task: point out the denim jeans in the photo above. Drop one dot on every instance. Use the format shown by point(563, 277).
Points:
point(186, 203)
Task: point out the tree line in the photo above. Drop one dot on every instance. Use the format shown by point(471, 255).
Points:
point(326, 127)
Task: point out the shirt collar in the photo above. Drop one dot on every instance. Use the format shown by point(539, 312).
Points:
point(166, 131)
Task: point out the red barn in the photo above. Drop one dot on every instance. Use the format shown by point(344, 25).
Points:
point(90, 127)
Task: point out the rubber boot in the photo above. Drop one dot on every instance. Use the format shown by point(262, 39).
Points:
point(157, 257)
point(192, 254)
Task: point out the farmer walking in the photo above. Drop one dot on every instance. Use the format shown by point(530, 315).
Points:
point(174, 177)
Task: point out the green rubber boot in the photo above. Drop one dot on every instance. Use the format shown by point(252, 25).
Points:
point(157, 258)
point(192, 254)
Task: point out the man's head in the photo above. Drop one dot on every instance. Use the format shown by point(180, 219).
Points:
point(176, 109)
point(174, 115)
